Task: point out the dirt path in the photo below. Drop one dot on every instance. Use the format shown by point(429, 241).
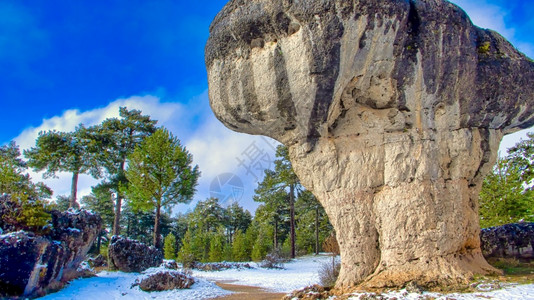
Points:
point(247, 292)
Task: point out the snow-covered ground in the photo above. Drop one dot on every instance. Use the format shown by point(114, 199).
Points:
point(118, 285)
point(297, 274)
point(515, 292)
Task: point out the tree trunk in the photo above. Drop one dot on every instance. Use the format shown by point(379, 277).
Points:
point(117, 219)
point(275, 233)
point(98, 242)
point(292, 217)
point(317, 230)
point(118, 204)
point(73, 191)
point(128, 221)
point(157, 239)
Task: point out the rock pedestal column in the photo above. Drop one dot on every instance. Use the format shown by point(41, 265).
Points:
point(392, 112)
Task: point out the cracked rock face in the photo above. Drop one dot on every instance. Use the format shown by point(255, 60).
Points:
point(392, 110)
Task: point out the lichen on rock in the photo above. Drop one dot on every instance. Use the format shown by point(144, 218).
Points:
point(32, 265)
point(392, 112)
point(130, 255)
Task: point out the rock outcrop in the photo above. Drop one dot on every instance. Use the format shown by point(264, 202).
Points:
point(508, 241)
point(165, 280)
point(392, 111)
point(129, 255)
point(32, 265)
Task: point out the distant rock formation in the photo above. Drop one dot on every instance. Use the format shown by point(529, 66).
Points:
point(129, 255)
point(32, 265)
point(392, 111)
point(508, 241)
point(165, 280)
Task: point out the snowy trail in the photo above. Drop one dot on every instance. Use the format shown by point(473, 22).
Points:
point(296, 275)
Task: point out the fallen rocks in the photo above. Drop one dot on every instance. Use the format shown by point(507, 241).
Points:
point(165, 280)
point(508, 241)
point(129, 255)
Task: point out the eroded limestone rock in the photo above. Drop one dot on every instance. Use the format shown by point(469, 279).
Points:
point(129, 255)
point(508, 241)
point(32, 265)
point(165, 280)
point(392, 110)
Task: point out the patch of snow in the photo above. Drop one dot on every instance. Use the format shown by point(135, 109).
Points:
point(10, 234)
point(511, 292)
point(118, 285)
point(73, 229)
point(297, 274)
point(84, 266)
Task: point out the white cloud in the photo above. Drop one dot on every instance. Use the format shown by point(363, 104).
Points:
point(214, 147)
point(163, 112)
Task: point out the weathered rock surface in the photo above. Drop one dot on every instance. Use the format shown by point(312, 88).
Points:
point(129, 255)
point(392, 110)
point(165, 280)
point(32, 265)
point(508, 241)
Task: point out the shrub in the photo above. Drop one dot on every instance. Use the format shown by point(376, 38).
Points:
point(273, 260)
point(328, 273)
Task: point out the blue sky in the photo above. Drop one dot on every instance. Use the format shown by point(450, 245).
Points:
point(67, 62)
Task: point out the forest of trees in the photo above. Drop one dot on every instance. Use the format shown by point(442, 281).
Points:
point(144, 171)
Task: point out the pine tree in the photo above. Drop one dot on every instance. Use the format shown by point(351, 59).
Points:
point(160, 175)
point(282, 180)
point(239, 249)
point(169, 248)
point(216, 247)
point(261, 247)
point(250, 238)
point(101, 201)
point(29, 210)
point(57, 151)
point(504, 198)
point(186, 255)
point(112, 142)
point(237, 218)
point(313, 225)
point(208, 215)
point(227, 252)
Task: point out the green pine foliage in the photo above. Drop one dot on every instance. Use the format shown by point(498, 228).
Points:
point(216, 247)
point(250, 238)
point(169, 247)
point(261, 246)
point(507, 194)
point(112, 142)
point(227, 252)
point(160, 175)
point(186, 255)
point(239, 247)
point(28, 200)
point(149, 170)
point(101, 201)
point(57, 151)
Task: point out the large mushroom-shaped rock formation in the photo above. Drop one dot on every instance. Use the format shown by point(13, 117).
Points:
point(392, 110)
